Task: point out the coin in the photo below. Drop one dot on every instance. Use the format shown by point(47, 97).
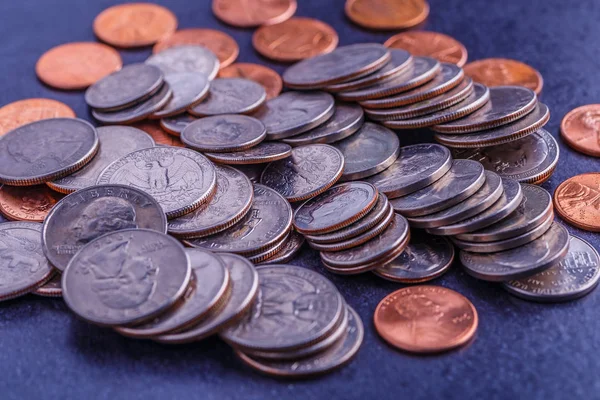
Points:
point(252, 171)
point(208, 284)
point(336, 208)
point(309, 171)
point(22, 112)
point(159, 135)
point(417, 166)
point(574, 277)
point(387, 14)
point(115, 142)
point(224, 133)
point(77, 65)
point(371, 150)
point(68, 144)
point(266, 77)
point(287, 252)
point(51, 288)
point(23, 263)
point(267, 253)
point(260, 154)
point(181, 180)
point(176, 124)
point(268, 221)
point(578, 129)
point(186, 58)
point(231, 202)
point(31, 203)
point(188, 90)
point(520, 262)
point(295, 39)
point(430, 44)
point(501, 71)
point(134, 25)
point(461, 181)
point(426, 319)
point(247, 14)
point(231, 96)
point(575, 201)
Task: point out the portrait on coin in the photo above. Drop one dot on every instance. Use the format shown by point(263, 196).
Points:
point(103, 215)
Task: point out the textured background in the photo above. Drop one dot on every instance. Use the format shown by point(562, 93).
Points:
point(522, 350)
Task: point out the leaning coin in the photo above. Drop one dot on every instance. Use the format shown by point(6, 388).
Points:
point(181, 180)
point(176, 124)
point(24, 265)
point(224, 133)
point(46, 150)
point(27, 203)
point(288, 251)
point(188, 58)
point(188, 90)
point(575, 201)
point(578, 129)
point(231, 96)
point(268, 78)
point(52, 288)
point(262, 153)
point(126, 277)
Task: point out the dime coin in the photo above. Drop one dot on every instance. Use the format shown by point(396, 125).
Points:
point(501, 71)
point(187, 58)
point(224, 133)
point(247, 14)
point(426, 319)
point(159, 135)
point(23, 263)
point(115, 142)
point(46, 150)
point(181, 180)
point(188, 90)
point(309, 171)
point(417, 166)
point(288, 251)
point(266, 77)
point(575, 201)
point(231, 202)
point(231, 96)
point(265, 152)
point(387, 14)
point(430, 44)
point(371, 150)
point(23, 112)
point(177, 123)
point(578, 129)
point(77, 65)
point(51, 288)
point(31, 203)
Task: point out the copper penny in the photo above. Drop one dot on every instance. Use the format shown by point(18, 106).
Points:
point(134, 25)
point(27, 203)
point(295, 39)
point(425, 319)
point(387, 14)
point(268, 78)
point(430, 44)
point(250, 13)
point(161, 137)
point(577, 200)
point(501, 71)
point(23, 112)
point(580, 129)
point(224, 46)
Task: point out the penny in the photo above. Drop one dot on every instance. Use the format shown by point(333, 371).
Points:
point(295, 39)
point(247, 14)
point(51, 288)
point(160, 136)
point(574, 277)
point(68, 144)
point(266, 77)
point(208, 284)
point(575, 201)
point(336, 208)
point(579, 129)
point(31, 203)
point(267, 253)
point(426, 319)
point(181, 180)
point(461, 181)
point(224, 133)
point(186, 59)
point(501, 71)
point(115, 142)
point(430, 44)
point(22, 259)
point(287, 252)
point(309, 171)
point(231, 202)
point(520, 262)
point(188, 90)
point(134, 25)
point(176, 124)
point(77, 65)
point(267, 223)
point(265, 152)
point(387, 14)
point(371, 150)
point(231, 96)
point(417, 166)
point(22, 112)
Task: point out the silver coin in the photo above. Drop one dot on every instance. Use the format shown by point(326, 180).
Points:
point(114, 143)
point(534, 257)
point(46, 150)
point(460, 182)
point(177, 123)
point(262, 153)
point(268, 252)
point(51, 288)
point(188, 89)
point(484, 198)
point(417, 166)
point(287, 252)
point(293, 113)
point(252, 171)
point(181, 180)
point(197, 59)
point(231, 96)
point(224, 133)
point(121, 89)
point(574, 277)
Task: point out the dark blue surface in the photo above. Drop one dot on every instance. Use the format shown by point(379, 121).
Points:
point(521, 351)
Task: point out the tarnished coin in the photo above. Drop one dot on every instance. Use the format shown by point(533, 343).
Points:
point(262, 153)
point(181, 180)
point(371, 150)
point(188, 90)
point(520, 262)
point(224, 133)
point(268, 78)
point(92, 212)
point(247, 14)
point(46, 150)
point(187, 58)
point(293, 113)
point(417, 166)
point(430, 44)
point(578, 129)
point(220, 43)
point(501, 71)
point(309, 171)
point(575, 200)
point(336, 208)
point(126, 277)
point(19, 113)
point(231, 202)
point(461, 181)
point(287, 252)
point(159, 135)
point(115, 142)
point(24, 266)
point(231, 96)
point(31, 203)
point(52, 288)
point(177, 123)
point(387, 14)
point(574, 277)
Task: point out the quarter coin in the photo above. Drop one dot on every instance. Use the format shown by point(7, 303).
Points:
point(268, 78)
point(188, 90)
point(186, 59)
point(231, 96)
point(22, 112)
point(578, 129)
point(176, 124)
point(264, 152)
point(575, 201)
point(430, 44)
point(30, 203)
point(501, 71)
point(224, 133)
